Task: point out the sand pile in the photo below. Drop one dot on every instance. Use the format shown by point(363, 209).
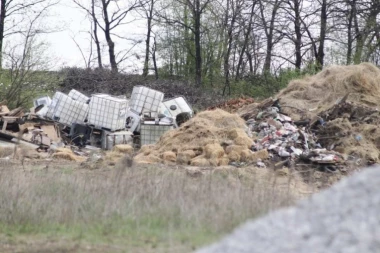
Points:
point(211, 138)
point(307, 97)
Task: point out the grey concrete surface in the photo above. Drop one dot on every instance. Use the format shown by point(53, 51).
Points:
point(344, 219)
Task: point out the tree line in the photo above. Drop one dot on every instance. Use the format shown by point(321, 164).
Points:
point(209, 39)
point(213, 42)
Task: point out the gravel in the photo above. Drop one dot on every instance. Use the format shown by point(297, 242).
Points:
point(344, 218)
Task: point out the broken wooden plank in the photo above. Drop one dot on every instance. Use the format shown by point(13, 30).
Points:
point(5, 123)
point(16, 112)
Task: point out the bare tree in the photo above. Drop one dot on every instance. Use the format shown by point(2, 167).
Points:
point(232, 11)
point(14, 13)
point(113, 18)
point(27, 65)
point(111, 15)
point(247, 34)
point(95, 34)
point(149, 14)
point(91, 12)
point(270, 27)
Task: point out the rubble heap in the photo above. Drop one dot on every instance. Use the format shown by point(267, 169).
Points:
point(329, 120)
point(85, 124)
point(211, 138)
point(289, 142)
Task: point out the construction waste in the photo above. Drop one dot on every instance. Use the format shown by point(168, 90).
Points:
point(84, 124)
point(322, 123)
point(325, 123)
point(329, 120)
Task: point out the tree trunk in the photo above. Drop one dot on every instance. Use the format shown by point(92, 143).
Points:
point(322, 36)
point(197, 41)
point(269, 34)
point(2, 21)
point(246, 39)
point(107, 33)
point(297, 29)
point(249, 57)
point(96, 38)
point(154, 58)
point(147, 41)
point(349, 32)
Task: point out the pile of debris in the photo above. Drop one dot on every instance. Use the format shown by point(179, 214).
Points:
point(289, 141)
point(93, 123)
point(27, 128)
point(329, 120)
point(322, 123)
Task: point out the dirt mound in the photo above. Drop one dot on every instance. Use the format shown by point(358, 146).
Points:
point(211, 138)
point(307, 97)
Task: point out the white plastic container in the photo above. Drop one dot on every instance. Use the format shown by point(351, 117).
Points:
point(67, 111)
point(110, 139)
point(133, 121)
point(43, 111)
point(46, 101)
point(144, 99)
point(76, 95)
point(107, 112)
point(175, 106)
point(151, 132)
point(54, 102)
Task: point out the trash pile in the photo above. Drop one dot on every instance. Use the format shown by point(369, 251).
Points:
point(27, 128)
point(289, 141)
point(211, 138)
point(329, 120)
point(322, 123)
point(100, 121)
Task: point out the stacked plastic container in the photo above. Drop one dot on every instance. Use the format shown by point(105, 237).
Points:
point(151, 132)
point(144, 99)
point(107, 112)
point(67, 111)
point(76, 95)
point(110, 139)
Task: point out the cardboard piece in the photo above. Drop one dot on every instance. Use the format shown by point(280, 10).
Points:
point(51, 132)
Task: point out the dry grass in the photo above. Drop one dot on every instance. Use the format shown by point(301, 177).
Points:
point(203, 134)
point(313, 94)
point(141, 206)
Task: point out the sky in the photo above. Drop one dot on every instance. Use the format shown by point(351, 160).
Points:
point(61, 43)
point(74, 24)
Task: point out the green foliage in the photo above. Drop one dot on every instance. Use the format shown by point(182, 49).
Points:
point(26, 74)
point(268, 84)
